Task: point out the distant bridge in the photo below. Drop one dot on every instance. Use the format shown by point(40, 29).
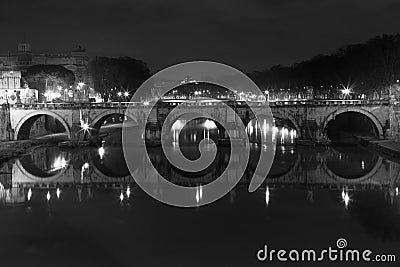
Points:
point(300, 114)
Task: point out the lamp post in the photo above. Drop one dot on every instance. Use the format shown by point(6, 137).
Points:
point(119, 98)
point(346, 92)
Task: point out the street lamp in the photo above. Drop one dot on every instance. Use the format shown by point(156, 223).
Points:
point(346, 92)
point(126, 94)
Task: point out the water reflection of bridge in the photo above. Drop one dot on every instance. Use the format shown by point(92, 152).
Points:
point(298, 167)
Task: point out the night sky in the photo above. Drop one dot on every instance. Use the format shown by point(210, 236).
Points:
point(247, 34)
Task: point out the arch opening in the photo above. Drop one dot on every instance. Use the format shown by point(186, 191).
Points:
point(283, 131)
point(110, 125)
point(346, 126)
point(189, 132)
point(42, 125)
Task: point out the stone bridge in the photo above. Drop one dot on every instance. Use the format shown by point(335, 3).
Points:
point(299, 114)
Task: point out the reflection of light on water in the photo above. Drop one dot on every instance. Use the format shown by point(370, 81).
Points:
point(281, 134)
point(346, 198)
point(101, 152)
point(267, 194)
point(59, 163)
point(199, 194)
point(264, 130)
point(209, 124)
point(48, 195)
point(121, 196)
point(176, 128)
point(29, 194)
point(128, 192)
point(284, 132)
point(84, 168)
point(362, 165)
point(58, 193)
point(397, 191)
point(292, 135)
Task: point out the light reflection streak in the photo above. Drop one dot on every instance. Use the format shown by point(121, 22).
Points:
point(128, 192)
point(267, 196)
point(346, 198)
point(29, 194)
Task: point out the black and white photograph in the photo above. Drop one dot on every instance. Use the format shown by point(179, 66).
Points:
point(200, 133)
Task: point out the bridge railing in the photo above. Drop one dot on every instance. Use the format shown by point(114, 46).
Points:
point(323, 102)
point(340, 102)
point(76, 105)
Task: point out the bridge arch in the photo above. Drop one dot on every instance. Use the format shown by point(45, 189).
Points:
point(206, 113)
point(369, 115)
point(98, 121)
point(278, 115)
point(290, 118)
point(23, 127)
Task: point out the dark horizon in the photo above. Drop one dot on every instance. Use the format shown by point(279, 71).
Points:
point(249, 35)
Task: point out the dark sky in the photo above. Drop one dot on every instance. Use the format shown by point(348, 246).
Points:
point(247, 34)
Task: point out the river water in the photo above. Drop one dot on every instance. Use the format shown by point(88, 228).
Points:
point(81, 207)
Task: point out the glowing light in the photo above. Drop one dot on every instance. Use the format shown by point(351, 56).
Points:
point(85, 126)
point(128, 192)
point(58, 193)
point(346, 198)
point(29, 194)
point(121, 196)
point(126, 94)
point(397, 191)
point(199, 194)
point(101, 152)
point(362, 165)
point(86, 165)
point(346, 91)
point(59, 163)
point(119, 93)
point(267, 196)
point(209, 124)
point(146, 103)
point(48, 196)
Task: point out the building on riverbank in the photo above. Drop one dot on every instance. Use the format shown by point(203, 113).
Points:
point(12, 92)
point(76, 61)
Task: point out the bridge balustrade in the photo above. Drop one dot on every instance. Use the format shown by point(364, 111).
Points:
point(279, 103)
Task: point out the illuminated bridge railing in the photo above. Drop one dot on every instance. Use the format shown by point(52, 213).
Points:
point(279, 103)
